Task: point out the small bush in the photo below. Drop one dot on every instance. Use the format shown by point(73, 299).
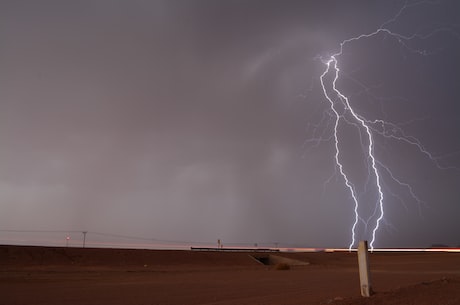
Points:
point(282, 266)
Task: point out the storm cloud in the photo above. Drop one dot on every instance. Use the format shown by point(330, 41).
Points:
point(186, 120)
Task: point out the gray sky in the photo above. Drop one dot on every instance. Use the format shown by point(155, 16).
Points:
point(191, 120)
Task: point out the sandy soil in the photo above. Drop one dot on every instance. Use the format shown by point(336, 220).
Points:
point(41, 275)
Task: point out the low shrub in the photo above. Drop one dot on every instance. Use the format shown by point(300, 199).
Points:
point(282, 266)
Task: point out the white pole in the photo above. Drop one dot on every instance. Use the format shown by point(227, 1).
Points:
point(364, 273)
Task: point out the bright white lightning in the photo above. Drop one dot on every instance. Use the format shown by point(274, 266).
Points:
point(332, 62)
point(337, 99)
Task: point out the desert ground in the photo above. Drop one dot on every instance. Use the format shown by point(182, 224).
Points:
point(45, 275)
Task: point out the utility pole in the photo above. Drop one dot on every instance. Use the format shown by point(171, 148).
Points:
point(84, 238)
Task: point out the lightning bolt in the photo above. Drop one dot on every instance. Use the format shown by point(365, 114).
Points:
point(342, 112)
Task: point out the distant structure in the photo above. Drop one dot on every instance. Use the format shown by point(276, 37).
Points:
point(235, 249)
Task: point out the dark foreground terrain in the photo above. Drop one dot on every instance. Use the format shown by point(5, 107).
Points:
point(41, 275)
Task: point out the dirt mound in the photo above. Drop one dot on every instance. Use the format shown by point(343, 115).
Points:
point(445, 291)
point(46, 256)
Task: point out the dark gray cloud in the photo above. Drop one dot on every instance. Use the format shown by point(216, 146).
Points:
point(185, 120)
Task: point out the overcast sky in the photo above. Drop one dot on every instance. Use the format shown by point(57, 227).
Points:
point(193, 120)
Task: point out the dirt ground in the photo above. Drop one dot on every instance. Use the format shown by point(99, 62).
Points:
point(42, 275)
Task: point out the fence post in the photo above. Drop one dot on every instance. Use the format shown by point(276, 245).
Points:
point(364, 273)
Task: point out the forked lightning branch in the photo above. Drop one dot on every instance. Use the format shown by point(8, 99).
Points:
point(343, 113)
